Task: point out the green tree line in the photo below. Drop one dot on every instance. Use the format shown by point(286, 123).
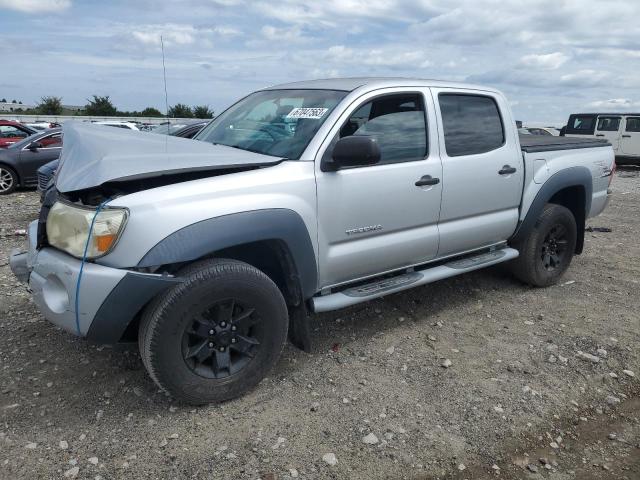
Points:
point(102, 106)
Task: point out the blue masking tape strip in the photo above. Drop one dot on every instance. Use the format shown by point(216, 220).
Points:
point(84, 259)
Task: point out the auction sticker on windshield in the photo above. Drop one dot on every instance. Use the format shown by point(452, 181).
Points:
point(308, 112)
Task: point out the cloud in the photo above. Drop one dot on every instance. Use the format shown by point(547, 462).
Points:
point(35, 6)
point(171, 35)
point(549, 61)
point(586, 78)
point(272, 33)
point(615, 103)
point(178, 34)
point(379, 57)
point(226, 31)
point(334, 12)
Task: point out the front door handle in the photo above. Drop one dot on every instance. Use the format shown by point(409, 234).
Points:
point(626, 136)
point(599, 134)
point(507, 170)
point(427, 180)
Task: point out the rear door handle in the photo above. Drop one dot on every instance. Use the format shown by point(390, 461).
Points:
point(507, 170)
point(427, 180)
point(599, 134)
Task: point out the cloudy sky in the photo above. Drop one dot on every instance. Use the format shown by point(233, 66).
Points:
point(550, 57)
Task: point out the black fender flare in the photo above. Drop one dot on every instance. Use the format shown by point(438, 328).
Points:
point(569, 177)
point(208, 236)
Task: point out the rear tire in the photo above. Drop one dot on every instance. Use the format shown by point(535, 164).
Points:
point(8, 180)
point(545, 254)
point(216, 335)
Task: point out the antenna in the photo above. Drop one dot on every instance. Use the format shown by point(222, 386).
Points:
point(164, 71)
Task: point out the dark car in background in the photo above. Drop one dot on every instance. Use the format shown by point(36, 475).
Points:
point(19, 162)
point(12, 132)
point(189, 131)
point(178, 129)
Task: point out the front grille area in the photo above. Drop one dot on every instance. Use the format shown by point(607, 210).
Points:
point(43, 181)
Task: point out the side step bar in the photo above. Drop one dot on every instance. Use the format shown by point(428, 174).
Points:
point(398, 283)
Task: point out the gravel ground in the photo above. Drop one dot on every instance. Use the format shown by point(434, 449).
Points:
point(373, 399)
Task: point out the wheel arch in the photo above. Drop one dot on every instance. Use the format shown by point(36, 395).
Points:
point(276, 239)
point(571, 188)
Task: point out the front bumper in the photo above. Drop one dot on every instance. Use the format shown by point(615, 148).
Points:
point(109, 298)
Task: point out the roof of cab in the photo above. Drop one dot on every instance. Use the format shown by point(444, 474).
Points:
point(610, 114)
point(352, 83)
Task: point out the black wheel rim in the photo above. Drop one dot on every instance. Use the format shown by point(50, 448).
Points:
point(222, 339)
point(554, 247)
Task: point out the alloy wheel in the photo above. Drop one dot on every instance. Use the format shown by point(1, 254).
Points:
point(221, 340)
point(554, 247)
point(6, 180)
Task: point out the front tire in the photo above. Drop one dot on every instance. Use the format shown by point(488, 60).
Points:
point(8, 180)
point(216, 335)
point(545, 254)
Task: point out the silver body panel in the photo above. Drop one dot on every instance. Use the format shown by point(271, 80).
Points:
point(53, 280)
point(164, 210)
point(598, 160)
point(383, 195)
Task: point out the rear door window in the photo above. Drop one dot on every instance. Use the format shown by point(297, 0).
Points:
point(633, 124)
point(472, 124)
point(608, 124)
point(581, 124)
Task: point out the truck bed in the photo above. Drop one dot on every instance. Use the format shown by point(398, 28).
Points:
point(547, 143)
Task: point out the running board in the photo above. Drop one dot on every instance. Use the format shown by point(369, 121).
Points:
point(398, 283)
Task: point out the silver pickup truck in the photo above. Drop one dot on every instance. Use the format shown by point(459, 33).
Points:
point(299, 198)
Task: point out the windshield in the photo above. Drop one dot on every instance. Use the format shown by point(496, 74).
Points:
point(280, 123)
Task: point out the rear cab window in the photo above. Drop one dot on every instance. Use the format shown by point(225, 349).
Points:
point(581, 124)
point(608, 124)
point(472, 124)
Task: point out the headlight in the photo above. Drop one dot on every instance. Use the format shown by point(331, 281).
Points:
point(68, 229)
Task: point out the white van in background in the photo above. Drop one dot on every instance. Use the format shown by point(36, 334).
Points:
point(622, 130)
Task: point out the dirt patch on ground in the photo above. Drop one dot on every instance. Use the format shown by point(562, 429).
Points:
point(516, 391)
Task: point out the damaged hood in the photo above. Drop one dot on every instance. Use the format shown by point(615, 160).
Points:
point(95, 154)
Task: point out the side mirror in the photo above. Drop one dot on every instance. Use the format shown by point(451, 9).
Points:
point(353, 151)
point(34, 146)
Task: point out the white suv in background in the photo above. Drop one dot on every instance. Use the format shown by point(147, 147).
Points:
point(622, 130)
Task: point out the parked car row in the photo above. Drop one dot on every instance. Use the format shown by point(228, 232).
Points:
point(12, 132)
point(20, 161)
